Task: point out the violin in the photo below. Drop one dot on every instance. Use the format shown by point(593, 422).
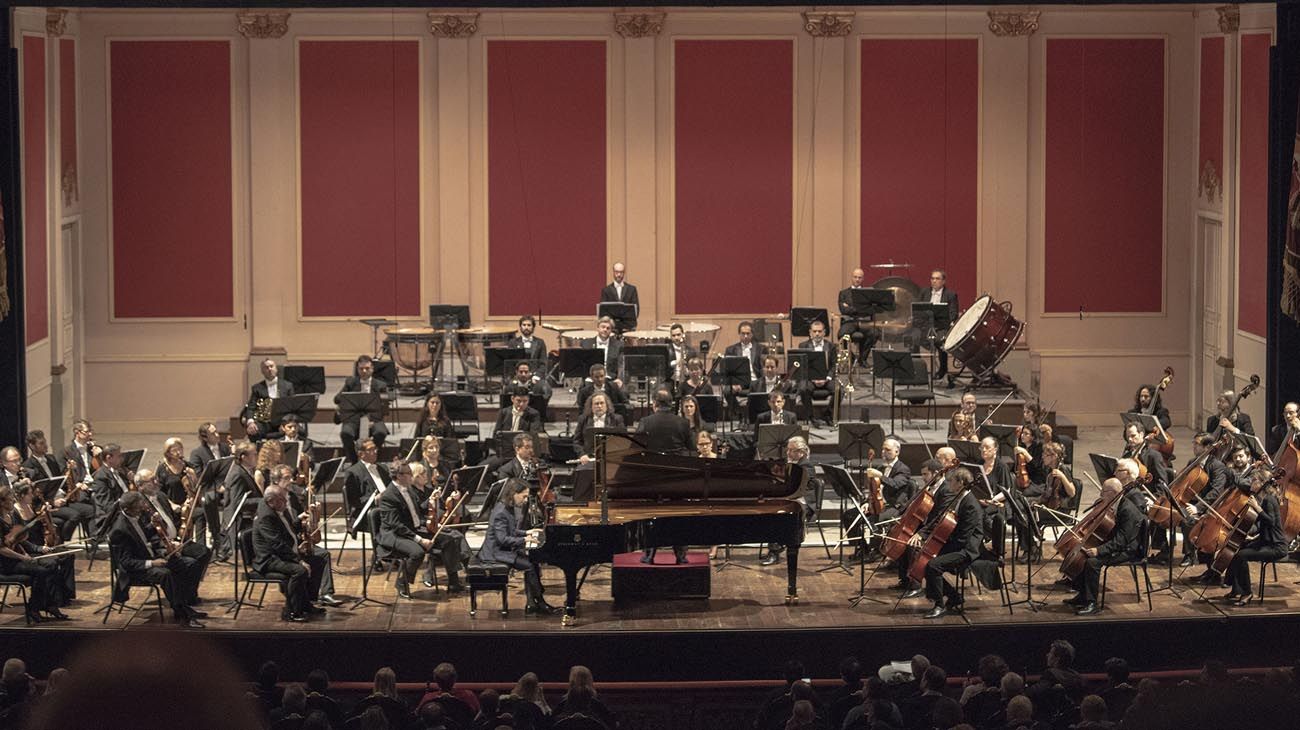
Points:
point(69, 477)
point(1022, 466)
point(1054, 496)
point(917, 512)
point(451, 507)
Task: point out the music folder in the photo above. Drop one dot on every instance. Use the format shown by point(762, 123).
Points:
point(289, 451)
point(301, 407)
point(772, 438)
point(327, 472)
point(356, 405)
point(131, 460)
point(47, 488)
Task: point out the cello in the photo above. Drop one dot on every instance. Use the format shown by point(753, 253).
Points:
point(1237, 537)
point(939, 536)
point(1222, 519)
point(1093, 530)
point(874, 500)
point(917, 512)
point(1185, 487)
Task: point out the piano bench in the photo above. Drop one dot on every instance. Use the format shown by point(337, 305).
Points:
point(487, 577)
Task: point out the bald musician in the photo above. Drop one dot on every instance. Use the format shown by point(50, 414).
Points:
point(1123, 544)
point(619, 290)
point(856, 324)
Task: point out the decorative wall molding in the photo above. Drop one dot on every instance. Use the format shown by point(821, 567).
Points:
point(263, 25)
point(1012, 24)
point(639, 25)
point(1229, 18)
point(56, 22)
point(453, 25)
point(827, 25)
point(1208, 186)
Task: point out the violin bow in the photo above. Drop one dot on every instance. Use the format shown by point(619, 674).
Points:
point(989, 417)
point(923, 441)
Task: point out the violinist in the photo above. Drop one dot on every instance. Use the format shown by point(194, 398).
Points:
point(11, 467)
point(42, 465)
point(1029, 447)
point(961, 547)
point(27, 511)
point(433, 419)
point(1268, 544)
point(597, 414)
point(991, 487)
point(108, 485)
point(443, 497)
point(896, 489)
point(82, 450)
point(1142, 403)
point(137, 554)
point(1219, 477)
point(276, 536)
point(966, 407)
point(171, 522)
point(1124, 543)
point(1224, 418)
point(695, 383)
point(282, 477)
point(239, 482)
point(1278, 433)
point(18, 556)
point(436, 470)
point(403, 529)
point(1058, 488)
point(173, 473)
point(269, 455)
point(1048, 435)
point(931, 474)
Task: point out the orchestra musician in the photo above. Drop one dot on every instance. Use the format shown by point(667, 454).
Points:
point(270, 386)
point(518, 416)
point(146, 481)
point(41, 464)
point(944, 458)
point(690, 410)
point(770, 379)
point(1057, 490)
point(82, 451)
point(896, 489)
point(363, 380)
point(706, 446)
point(619, 290)
point(506, 543)
point(433, 419)
point(964, 429)
point(1029, 445)
point(210, 447)
point(26, 510)
point(776, 412)
point(962, 547)
point(818, 387)
point(403, 529)
point(523, 465)
point(667, 433)
point(282, 475)
point(107, 486)
point(11, 459)
point(436, 470)
point(1277, 434)
point(269, 455)
point(679, 352)
point(598, 381)
point(534, 347)
point(1048, 435)
point(796, 456)
point(696, 383)
point(524, 378)
point(991, 487)
point(139, 554)
point(1220, 477)
point(238, 484)
point(1240, 423)
point(748, 349)
point(596, 414)
point(364, 478)
point(853, 323)
point(276, 537)
point(1268, 544)
point(939, 293)
point(1135, 448)
point(47, 592)
point(605, 340)
point(173, 470)
point(1142, 404)
point(293, 429)
point(1124, 543)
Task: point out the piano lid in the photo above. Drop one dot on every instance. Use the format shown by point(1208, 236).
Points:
point(634, 472)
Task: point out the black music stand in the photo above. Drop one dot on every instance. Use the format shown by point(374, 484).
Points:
point(623, 314)
point(449, 316)
point(366, 568)
point(306, 378)
point(497, 360)
point(773, 436)
point(236, 519)
point(489, 501)
point(803, 317)
point(1104, 465)
point(648, 369)
point(301, 407)
point(892, 364)
point(132, 459)
point(215, 471)
point(710, 407)
point(356, 405)
point(461, 407)
point(968, 452)
point(576, 362)
point(47, 488)
point(1005, 436)
point(469, 479)
point(325, 475)
point(729, 370)
point(858, 443)
point(849, 492)
point(289, 452)
point(931, 320)
point(385, 370)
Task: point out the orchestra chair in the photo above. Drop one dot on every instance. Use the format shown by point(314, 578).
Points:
point(121, 581)
point(1262, 572)
point(253, 576)
point(968, 575)
point(382, 556)
point(22, 583)
point(483, 576)
point(578, 721)
point(1144, 547)
point(911, 396)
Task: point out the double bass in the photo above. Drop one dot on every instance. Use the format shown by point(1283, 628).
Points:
point(918, 511)
point(1245, 392)
point(1288, 498)
point(1166, 449)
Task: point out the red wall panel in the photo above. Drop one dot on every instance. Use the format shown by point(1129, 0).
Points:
point(1252, 243)
point(35, 241)
point(546, 176)
point(359, 121)
point(171, 179)
point(1211, 108)
point(68, 107)
point(733, 127)
point(920, 157)
point(1105, 174)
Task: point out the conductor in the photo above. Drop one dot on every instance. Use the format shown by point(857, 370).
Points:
point(668, 433)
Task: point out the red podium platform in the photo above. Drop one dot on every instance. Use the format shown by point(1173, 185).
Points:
point(631, 579)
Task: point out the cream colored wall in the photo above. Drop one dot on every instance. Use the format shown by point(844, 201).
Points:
point(169, 375)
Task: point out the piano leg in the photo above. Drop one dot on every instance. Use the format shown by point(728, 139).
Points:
point(792, 573)
point(571, 589)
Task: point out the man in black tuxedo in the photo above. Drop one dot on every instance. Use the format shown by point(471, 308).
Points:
point(107, 486)
point(210, 448)
point(776, 412)
point(364, 478)
point(961, 548)
point(747, 348)
point(534, 347)
point(523, 465)
point(896, 489)
point(669, 433)
point(136, 554)
point(41, 464)
point(147, 484)
point(271, 386)
point(770, 379)
point(524, 378)
point(506, 543)
point(80, 450)
point(275, 550)
point(855, 324)
point(619, 290)
point(239, 482)
point(1123, 545)
point(518, 416)
point(605, 340)
point(403, 529)
point(363, 380)
point(678, 352)
point(939, 293)
point(1277, 434)
point(599, 382)
point(818, 386)
point(599, 415)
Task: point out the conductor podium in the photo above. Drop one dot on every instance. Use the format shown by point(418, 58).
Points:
point(663, 579)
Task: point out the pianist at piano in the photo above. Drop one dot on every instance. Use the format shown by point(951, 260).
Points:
point(507, 543)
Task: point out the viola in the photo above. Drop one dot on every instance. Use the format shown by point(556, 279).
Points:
point(52, 536)
point(1022, 468)
point(875, 500)
point(917, 512)
point(1054, 495)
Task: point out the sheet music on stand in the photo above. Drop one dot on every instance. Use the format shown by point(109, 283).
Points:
point(215, 471)
point(772, 438)
point(132, 459)
point(327, 472)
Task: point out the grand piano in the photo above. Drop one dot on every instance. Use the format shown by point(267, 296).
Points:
point(647, 499)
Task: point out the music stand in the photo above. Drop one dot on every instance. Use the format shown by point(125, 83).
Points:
point(892, 364)
point(858, 443)
point(472, 476)
point(47, 488)
point(1005, 435)
point(803, 317)
point(1148, 424)
point(497, 360)
point(931, 320)
point(623, 314)
point(301, 407)
point(409, 449)
point(385, 370)
point(356, 405)
point(460, 406)
point(326, 472)
point(453, 316)
point(215, 471)
point(967, 451)
point(576, 362)
point(730, 370)
point(710, 407)
point(132, 459)
point(756, 404)
point(653, 361)
point(772, 438)
point(289, 452)
point(306, 378)
point(505, 444)
point(236, 517)
point(366, 568)
point(1104, 466)
point(489, 500)
point(849, 492)
point(768, 333)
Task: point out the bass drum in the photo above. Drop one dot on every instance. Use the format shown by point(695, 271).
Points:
point(983, 335)
point(899, 321)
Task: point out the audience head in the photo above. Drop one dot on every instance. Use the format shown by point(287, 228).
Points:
point(801, 715)
point(1092, 709)
point(947, 713)
point(580, 679)
point(318, 681)
point(489, 702)
point(919, 665)
point(295, 699)
point(385, 682)
point(316, 720)
point(528, 687)
point(1012, 684)
point(444, 675)
point(991, 669)
point(1116, 670)
point(851, 670)
point(1061, 654)
point(934, 679)
point(59, 677)
point(1019, 709)
point(432, 714)
point(373, 719)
